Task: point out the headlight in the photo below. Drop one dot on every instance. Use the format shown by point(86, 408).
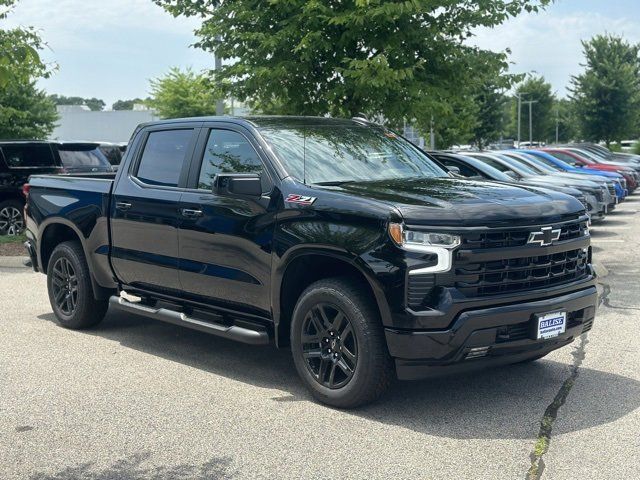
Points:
point(439, 244)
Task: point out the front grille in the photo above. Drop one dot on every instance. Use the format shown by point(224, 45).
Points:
point(599, 195)
point(502, 262)
point(518, 274)
point(517, 238)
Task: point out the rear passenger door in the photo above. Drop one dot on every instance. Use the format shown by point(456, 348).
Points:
point(145, 202)
point(225, 239)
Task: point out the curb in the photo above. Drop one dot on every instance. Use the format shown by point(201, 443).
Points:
point(13, 262)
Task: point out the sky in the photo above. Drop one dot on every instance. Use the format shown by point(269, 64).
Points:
point(110, 49)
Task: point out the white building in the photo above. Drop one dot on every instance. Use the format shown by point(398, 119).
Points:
point(77, 122)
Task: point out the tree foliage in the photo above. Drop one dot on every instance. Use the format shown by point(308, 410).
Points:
point(127, 104)
point(490, 123)
point(607, 94)
point(94, 104)
point(391, 59)
point(25, 111)
point(535, 89)
point(183, 94)
point(19, 57)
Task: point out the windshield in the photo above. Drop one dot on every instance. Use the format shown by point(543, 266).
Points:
point(533, 162)
point(82, 156)
point(338, 154)
point(520, 165)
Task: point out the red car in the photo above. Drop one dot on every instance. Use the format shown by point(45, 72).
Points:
point(577, 160)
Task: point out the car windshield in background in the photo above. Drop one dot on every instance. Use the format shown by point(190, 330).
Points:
point(339, 154)
point(83, 157)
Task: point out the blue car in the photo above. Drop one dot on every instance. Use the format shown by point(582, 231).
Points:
point(547, 158)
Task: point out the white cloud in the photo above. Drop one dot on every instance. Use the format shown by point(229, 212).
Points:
point(79, 24)
point(549, 43)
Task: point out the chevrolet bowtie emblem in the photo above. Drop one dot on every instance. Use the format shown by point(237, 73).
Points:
point(546, 236)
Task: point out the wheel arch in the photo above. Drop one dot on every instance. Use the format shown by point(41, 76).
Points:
point(305, 265)
point(55, 231)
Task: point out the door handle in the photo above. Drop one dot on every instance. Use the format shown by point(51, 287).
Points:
point(123, 205)
point(191, 213)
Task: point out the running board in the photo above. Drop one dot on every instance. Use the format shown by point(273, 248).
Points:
point(239, 334)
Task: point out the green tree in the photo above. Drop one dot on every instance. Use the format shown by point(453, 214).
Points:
point(19, 57)
point(607, 94)
point(490, 101)
point(94, 104)
point(127, 104)
point(183, 94)
point(565, 119)
point(389, 59)
point(25, 111)
point(535, 89)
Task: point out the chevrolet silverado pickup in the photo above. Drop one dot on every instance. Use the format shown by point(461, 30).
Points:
point(335, 238)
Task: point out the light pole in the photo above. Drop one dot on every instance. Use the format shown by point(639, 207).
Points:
point(530, 102)
point(519, 97)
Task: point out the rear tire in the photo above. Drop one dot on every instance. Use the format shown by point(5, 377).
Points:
point(70, 289)
point(338, 344)
point(11, 217)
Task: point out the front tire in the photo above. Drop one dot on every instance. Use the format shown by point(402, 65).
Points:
point(70, 288)
point(338, 344)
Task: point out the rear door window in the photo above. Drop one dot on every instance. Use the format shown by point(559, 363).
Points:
point(164, 156)
point(28, 156)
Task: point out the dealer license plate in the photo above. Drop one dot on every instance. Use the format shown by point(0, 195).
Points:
point(551, 325)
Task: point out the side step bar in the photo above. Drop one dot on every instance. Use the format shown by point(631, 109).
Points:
point(239, 334)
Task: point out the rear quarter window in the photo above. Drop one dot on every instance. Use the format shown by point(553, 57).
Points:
point(28, 156)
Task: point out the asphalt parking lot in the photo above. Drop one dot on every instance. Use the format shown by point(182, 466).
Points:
point(138, 399)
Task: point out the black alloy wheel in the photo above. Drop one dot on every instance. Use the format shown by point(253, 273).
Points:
point(11, 221)
point(65, 286)
point(330, 347)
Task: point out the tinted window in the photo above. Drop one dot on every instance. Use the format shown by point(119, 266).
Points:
point(113, 153)
point(79, 156)
point(227, 152)
point(17, 156)
point(465, 170)
point(163, 157)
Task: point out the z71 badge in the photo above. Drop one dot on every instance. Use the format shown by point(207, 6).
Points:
point(301, 199)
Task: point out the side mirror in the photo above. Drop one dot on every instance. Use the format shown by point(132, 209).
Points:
point(454, 170)
point(246, 185)
point(511, 174)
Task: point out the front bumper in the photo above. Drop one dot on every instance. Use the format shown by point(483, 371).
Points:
point(504, 333)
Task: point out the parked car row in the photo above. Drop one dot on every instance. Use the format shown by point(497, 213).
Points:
point(21, 159)
point(590, 173)
point(334, 238)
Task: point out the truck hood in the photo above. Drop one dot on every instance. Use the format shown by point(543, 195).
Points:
point(456, 202)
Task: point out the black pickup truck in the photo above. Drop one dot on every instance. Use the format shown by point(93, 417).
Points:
point(335, 238)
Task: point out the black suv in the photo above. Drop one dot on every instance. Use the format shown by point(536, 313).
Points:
point(19, 160)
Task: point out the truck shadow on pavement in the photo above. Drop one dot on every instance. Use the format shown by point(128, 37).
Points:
point(501, 403)
point(133, 468)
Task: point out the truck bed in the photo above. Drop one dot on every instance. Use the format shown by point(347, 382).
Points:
point(80, 202)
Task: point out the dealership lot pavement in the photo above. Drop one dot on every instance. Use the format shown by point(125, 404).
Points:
point(139, 399)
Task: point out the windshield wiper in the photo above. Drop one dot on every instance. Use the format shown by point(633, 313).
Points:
point(335, 183)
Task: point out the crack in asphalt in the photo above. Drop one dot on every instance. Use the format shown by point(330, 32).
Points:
point(551, 413)
point(604, 299)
